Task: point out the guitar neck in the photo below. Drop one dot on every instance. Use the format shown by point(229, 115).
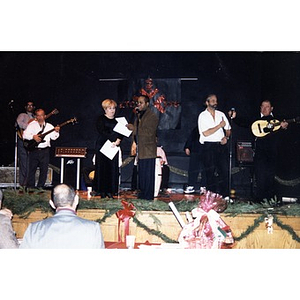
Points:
point(49, 115)
point(288, 121)
point(53, 112)
point(49, 131)
point(291, 120)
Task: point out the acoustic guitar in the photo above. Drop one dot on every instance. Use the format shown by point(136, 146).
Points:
point(30, 145)
point(20, 130)
point(261, 128)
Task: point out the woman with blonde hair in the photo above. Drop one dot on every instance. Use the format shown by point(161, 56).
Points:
point(106, 180)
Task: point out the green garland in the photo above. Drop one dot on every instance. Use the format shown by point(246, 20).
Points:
point(288, 228)
point(153, 231)
point(23, 204)
point(261, 219)
point(250, 229)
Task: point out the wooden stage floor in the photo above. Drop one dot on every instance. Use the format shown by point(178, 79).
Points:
point(172, 195)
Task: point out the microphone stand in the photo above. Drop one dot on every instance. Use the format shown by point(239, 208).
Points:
point(230, 156)
point(16, 158)
point(16, 145)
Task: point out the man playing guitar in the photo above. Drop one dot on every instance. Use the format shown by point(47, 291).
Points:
point(39, 157)
point(266, 150)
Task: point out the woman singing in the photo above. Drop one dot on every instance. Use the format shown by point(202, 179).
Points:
point(106, 178)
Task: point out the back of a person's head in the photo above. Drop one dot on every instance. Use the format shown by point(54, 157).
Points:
point(63, 195)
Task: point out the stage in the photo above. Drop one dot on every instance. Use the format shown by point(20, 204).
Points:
point(152, 225)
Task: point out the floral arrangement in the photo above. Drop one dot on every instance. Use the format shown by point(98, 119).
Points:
point(207, 230)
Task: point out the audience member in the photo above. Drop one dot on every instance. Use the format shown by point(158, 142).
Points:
point(65, 230)
point(8, 238)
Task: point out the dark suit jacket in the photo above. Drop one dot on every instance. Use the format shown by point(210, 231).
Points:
point(146, 135)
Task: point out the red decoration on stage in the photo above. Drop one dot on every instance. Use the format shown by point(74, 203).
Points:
point(124, 215)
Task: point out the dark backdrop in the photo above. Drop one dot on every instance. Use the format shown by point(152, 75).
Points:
point(73, 83)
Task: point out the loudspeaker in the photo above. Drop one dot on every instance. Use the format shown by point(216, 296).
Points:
point(70, 171)
point(244, 152)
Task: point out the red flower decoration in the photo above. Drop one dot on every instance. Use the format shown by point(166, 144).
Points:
point(124, 215)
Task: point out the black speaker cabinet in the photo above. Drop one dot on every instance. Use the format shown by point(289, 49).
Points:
point(244, 152)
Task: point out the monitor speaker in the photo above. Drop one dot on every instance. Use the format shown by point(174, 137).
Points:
point(244, 152)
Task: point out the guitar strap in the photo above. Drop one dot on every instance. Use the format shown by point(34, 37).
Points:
point(44, 125)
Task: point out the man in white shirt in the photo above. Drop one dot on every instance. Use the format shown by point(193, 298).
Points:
point(215, 130)
point(39, 157)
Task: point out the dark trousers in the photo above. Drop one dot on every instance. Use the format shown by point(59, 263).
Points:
point(164, 181)
point(216, 162)
point(23, 162)
point(38, 158)
point(106, 178)
point(196, 166)
point(264, 170)
point(165, 177)
point(146, 178)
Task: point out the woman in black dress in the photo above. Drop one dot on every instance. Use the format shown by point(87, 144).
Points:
point(106, 180)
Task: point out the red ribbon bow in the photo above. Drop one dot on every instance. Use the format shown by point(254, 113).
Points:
point(124, 215)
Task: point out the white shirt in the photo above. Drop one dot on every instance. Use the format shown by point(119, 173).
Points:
point(23, 119)
point(261, 115)
point(161, 153)
point(206, 121)
point(34, 128)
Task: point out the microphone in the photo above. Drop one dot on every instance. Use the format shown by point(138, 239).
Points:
point(10, 102)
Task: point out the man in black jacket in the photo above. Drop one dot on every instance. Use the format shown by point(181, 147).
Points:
point(266, 150)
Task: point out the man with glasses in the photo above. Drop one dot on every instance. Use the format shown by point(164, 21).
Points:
point(22, 122)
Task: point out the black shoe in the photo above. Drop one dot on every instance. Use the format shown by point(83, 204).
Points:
point(109, 195)
point(93, 194)
point(40, 190)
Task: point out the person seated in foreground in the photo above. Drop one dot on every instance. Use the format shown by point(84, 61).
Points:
point(8, 238)
point(65, 230)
